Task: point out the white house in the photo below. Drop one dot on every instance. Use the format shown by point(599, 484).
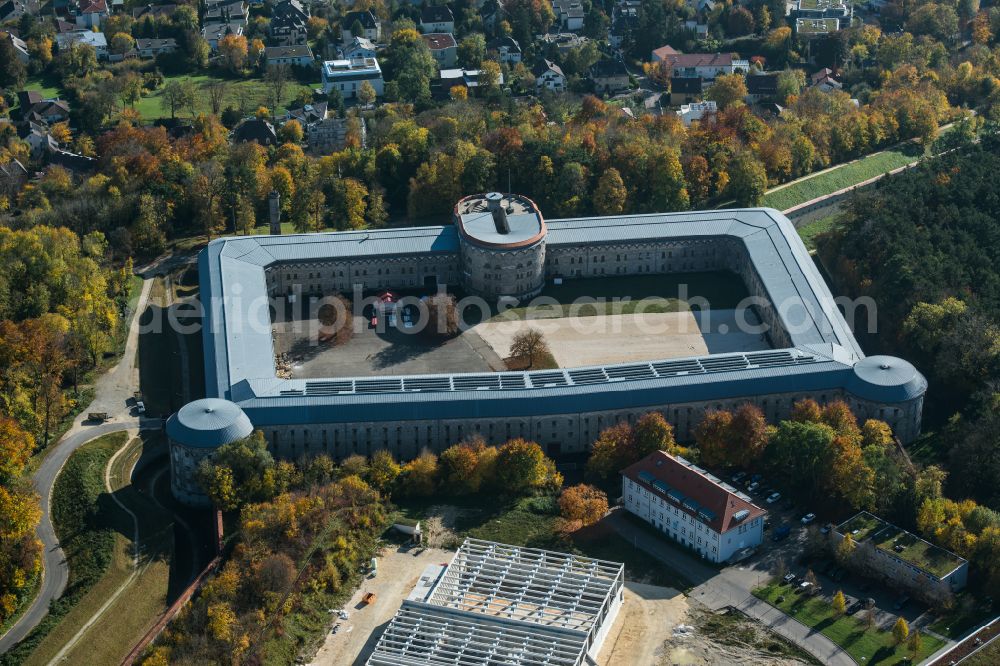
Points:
point(436, 19)
point(348, 75)
point(549, 75)
point(96, 40)
point(300, 56)
point(506, 48)
point(443, 47)
point(706, 65)
point(92, 13)
point(20, 48)
point(569, 14)
point(150, 48)
point(695, 111)
point(692, 507)
point(360, 47)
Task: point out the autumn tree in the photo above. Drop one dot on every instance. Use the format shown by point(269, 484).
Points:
point(838, 604)
point(419, 477)
point(367, 94)
point(467, 466)
point(240, 472)
point(291, 132)
point(728, 90)
point(529, 344)
point(747, 180)
point(900, 631)
point(582, 504)
point(383, 471)
point(233, 51)
point(611, 451)
point(914, 644)
point(652, 433)
point(522, 466)
point(611, 194)
point(712, 437)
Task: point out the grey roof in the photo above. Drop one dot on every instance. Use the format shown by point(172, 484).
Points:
point(887, 379)
point(239, 353)
point(208, 424)
point(480, 226)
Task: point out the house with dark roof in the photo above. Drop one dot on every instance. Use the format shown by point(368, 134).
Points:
point(609, 75)
point(761, 86)
point(506, 49)
point(360, 47)
point(28, 98)
point(289, 24)
point(153, 12)
point(255, 130)
point(685, 89)
point(12, 10)
point(436, 19)
point(549, 75)
point(214, 32)
point(227, 12)
point(492, 12)
point(47, 112)
point(691, 506)
point(20, 48)
point(371, 27)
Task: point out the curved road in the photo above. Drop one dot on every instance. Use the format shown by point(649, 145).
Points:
point(112, 391)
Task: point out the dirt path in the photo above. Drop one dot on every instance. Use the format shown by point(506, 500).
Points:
point(398, 573)
point(646, 618)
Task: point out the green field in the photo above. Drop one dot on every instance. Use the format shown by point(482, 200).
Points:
point(840, 177)
point(151, 107)
point(866, 646)
point(808, 232)
point(42, 86)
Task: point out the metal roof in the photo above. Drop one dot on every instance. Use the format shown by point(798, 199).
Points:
point(503, 604)
point(239, 353)
point(208, 423)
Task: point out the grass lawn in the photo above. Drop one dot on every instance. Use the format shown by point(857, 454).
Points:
point(847, 175)
point(44, 87)
point(928, 449)
point(865, 646)
point(151, 107)
point(967, 614)
point(810, 231)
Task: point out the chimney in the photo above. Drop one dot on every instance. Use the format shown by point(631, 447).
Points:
point(274, 212)
point(494, 202)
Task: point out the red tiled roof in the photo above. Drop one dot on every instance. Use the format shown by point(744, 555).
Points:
point(691, 482)
point(439, 40)
point(95, 7)
point(664, 51)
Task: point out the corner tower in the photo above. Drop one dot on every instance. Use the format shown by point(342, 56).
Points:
point(502, 245)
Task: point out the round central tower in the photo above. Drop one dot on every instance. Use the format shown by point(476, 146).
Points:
point(503, 245)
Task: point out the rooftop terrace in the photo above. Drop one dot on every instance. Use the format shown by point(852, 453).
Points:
point(902, 544)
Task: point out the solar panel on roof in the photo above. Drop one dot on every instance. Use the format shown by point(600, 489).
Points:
point(588, 376)
point(630, 371)
point(547, 379)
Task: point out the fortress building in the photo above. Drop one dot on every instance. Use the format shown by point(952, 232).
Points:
point(500, 247)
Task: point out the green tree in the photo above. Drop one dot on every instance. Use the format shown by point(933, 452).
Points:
point(747, 180)
point(522, 466)
point(800, 453)
point(652, 433)
point(472, 51)
point(177, 95)
point(728, 90)
point(13, 73)
point(240, 472)
point(383, 471)
point(410, 65)
point(914, 644)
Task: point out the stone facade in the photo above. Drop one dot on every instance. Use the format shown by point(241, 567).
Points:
point(184, 461)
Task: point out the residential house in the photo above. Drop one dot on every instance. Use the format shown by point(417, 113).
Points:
point(227, 11)
point(310, 113)
point(360, 47)
point(28, 98)
point(289, 24)
point(20, 48)
point(812, 29)
point(47, 112)
point(443, 47)
point(161, 12)
point(839, 10)
point(609, 75)
point(255, 130)
point(95, 40)
point(330, 134)
point(692, 507)
point(12, 10)
point(347, 76)
point(468, 78)
point(706, 65)
point(436, 18)
point(624, 25)
point(700, 30)
point(492, 12)
point(564, 42)
point(299, 56)
point(371, 27)
point(824, 81)
point(685, 89)
point(216, 31)
point(761, 86)
point(689, 113)
point(65, 27)
point(902, 558)
point(549, 75)
point(569, 14)
point(150, 48)
point(37, 137)
point(663, 52)
point(506, 49)
point(92, 12)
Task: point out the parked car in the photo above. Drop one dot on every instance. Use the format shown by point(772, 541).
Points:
point(781, 532)
point(855, 607)
point(754, 485)
point(825, 529)
point(789, 578)
point(140, 407)
point(739, 476)
point(773, 497)
point(808, 518)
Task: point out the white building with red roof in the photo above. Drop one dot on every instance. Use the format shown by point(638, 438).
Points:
point(92, 12)
point(691, 506)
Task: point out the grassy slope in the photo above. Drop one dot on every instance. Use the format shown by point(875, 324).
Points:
point(846, 175)
point(151, 108)
point(871, 646)
point(128, 618)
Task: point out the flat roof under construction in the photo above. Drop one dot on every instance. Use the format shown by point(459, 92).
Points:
point(503, 604)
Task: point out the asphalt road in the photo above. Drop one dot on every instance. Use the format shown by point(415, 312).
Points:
point(112, 392)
